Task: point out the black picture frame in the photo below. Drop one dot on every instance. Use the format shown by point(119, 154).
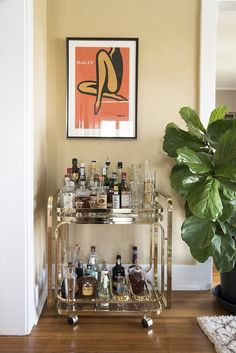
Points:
point(102, 87)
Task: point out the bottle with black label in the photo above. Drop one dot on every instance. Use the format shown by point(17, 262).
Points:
point(117, 271)
point(75, 170)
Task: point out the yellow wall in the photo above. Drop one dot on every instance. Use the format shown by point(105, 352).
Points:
point(168, 33)
point(226, 97)
point(39, 136)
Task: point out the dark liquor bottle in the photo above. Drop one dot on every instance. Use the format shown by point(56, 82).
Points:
point(87, 286)
point(82, 172)
point(124, 192)
point(75, 170)
point(117, 271)
point(105, 177)
point(137, 280)
point(110, 191)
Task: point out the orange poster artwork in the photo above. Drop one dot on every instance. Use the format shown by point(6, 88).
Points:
point(102, 88)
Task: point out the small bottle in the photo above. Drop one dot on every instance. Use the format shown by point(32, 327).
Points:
point(137, 280)
point(105, 177)
point(117, 270)
point(124, 192)
point(69, 282)
point(93, 171)
point(116, 197)
point(75, 170)
point(101, 194)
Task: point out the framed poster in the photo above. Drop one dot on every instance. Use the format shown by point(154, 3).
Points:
point(102, 87)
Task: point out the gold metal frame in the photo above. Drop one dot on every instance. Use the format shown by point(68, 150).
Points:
point(159, 288)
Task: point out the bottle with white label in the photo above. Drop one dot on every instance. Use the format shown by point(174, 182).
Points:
point(124, 192)
point(116, 197)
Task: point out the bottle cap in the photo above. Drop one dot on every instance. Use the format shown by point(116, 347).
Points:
point(82, 164)
point(74, 160)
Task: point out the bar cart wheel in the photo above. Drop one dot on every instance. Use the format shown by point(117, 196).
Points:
point(72, 320)
point(147, 322)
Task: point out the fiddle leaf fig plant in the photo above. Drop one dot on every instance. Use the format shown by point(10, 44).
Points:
point(204, 174)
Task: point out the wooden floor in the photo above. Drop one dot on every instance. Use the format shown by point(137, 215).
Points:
point(174, 331)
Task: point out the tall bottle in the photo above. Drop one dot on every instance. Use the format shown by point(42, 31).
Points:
point(116, 197)
point(93, 171)
point(92, 263)
point(124, 192)
point(110, 191)
point(75, 170)
point(104, 292)
point(119, 172)
point(134, 258)
point(82, 172)
point(117, 270)
point(69, 282)
point(105, 177)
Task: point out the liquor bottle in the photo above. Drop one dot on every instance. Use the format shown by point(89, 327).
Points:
point(104, 292)
point(117, 270)
point(75, 170)
point(124, 192)
point(137, 280)
point(134, 258)
point(105, 177)
point(107, 163)
point(149, 185)
point(119, 172)
point(69, 287)
point(116, 197)
point(87, 286)
point(82, 196)
point(110, 191)
point(121, 288)
point(101, 194)
point(92, 263)
point(82, 172)
point(67, 194)
point(79, 270)
point(93, 171)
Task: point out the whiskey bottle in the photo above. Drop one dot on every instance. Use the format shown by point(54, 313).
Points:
point(93, 171)
point(101, 194)
point(124, 192)
point(67, 194)
point(137, 280)
point(75, 170)
point(117, 270)
point(110, 191)
point(82, 196)
point(87, 286)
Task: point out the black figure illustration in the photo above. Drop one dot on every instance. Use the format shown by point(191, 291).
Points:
point(109, 71)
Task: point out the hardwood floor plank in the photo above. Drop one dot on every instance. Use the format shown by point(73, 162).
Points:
point(174, 331)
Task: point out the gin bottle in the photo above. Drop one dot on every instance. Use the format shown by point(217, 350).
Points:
point(104, 293)
point(69, 282)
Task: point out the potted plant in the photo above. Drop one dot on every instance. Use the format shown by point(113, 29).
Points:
point(205, 176)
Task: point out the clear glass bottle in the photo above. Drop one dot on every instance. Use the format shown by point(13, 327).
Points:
point(116, 197)
point(104, 292)
point(105, 177)
point(82, 172)
point(117, 270)
point(67, 194)
point(119, 172)
point(124, 192)
point(70, 282)
point(92, 263)
point(82, 196)
point(101, 200)
point(93, 171)
point(136, 186)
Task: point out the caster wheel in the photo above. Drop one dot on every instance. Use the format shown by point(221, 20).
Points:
point(71, 320)
point(147, 322)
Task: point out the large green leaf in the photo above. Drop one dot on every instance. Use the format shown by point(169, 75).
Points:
point(217, 129)
point(223, 252)
point(218, 113)
point(227, 188)
point(175, 138)
point(183, 181)
point(228, 209)
point(193, 122)
point(198, 162)
point(226, 149)
point(197, 233)
point(205, 201)
point(227, 170)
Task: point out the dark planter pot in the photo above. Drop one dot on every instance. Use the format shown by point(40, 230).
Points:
point(228, 286)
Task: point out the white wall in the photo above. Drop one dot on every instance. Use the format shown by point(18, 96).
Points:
point(17, 314)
